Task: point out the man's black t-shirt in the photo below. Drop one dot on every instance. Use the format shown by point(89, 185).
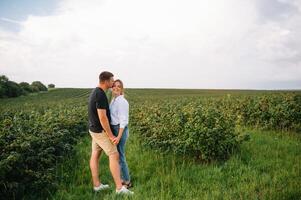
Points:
point(97, 100)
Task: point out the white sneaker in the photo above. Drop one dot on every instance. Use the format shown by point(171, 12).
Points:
point(101, 187)
point(124, 190)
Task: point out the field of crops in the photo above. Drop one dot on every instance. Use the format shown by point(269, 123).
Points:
point(36, 132)
point(190, 134)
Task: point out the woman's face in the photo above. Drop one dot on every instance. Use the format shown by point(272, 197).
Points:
point(117, 89)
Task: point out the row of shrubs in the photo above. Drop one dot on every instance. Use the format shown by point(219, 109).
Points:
point(280, 111)
point(195, 128)
point(12, 89)
point(207, 128)
point(32, 142)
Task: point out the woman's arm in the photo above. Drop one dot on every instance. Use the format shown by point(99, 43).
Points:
point(123, 115)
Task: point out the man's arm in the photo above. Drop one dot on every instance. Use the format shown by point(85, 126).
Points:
point(102, 115)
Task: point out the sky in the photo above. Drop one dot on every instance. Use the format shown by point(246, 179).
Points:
point(216, 44)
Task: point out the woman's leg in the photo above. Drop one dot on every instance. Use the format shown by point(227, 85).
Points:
point(122, 159)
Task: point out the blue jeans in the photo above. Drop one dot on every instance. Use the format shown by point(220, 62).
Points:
point(124, 170)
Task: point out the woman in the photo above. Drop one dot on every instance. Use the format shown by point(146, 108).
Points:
point(119, 109)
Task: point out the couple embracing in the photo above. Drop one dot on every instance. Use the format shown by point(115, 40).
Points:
point(108, 127)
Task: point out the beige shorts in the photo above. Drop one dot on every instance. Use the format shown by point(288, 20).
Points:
point(101, 141)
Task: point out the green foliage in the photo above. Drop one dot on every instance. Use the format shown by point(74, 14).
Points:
point(38, 131)
point(3, 79)
point(9, 88)
point(26, 87)
point(12, 89)
point(266, 167)
point(34, 88)
point(197, 128)
point(3, 86)
point(33, 138)
point(206, 128)
point(278, 111)
point(39, 85)
point(51, 85)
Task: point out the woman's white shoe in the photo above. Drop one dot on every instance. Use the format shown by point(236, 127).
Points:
point(124, 190)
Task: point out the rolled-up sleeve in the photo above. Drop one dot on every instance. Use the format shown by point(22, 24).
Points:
point(123, 113)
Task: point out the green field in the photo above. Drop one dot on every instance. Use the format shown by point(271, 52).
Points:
point(267, 166)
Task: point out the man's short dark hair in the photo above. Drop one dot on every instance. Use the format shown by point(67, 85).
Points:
point(105, 76)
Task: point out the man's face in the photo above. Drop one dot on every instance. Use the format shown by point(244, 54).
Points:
point(110, 82)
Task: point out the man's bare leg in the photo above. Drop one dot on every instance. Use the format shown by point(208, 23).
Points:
point(115, 169)
point(94, 164)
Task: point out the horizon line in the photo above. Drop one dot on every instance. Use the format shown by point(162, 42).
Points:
point(288, 89)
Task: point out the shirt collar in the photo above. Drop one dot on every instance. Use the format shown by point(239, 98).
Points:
point(120, 96)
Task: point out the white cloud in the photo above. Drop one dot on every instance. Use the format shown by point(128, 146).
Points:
point(171, 43)
point(10, 20)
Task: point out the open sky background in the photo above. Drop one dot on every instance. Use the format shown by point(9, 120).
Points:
point(239, 44)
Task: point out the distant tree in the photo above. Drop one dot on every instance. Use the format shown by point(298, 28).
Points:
point(13, 89)
point(34, 88)
point(51, 85)
point(25, 87)
point(3, 86)
point(2, 91)
point(39, 85)
point(3, 79)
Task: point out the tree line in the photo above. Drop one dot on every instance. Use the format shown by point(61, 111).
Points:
point(10, 88)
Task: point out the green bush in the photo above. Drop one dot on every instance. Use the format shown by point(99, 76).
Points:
point(34, 88)
point(26, 87)
point(278, 111)
point(12, 89)
point(206, 127)
point(3, 86)
point(51, 85)
point(32, 142)
point(198, 129)
point(9, 88)
point(39, 85)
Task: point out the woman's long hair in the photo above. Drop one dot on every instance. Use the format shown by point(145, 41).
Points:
point(121, 84)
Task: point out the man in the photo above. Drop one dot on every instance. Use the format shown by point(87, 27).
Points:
point(102, 137)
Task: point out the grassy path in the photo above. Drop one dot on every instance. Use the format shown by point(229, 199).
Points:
point(268, 167)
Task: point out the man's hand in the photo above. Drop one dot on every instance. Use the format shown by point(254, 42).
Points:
point(112, 138)
point(116, 140)
point(105, 124)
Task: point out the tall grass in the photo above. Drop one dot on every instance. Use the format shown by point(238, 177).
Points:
point(267, 167)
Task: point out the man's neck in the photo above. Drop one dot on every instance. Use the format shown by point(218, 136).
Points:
point(103, 87)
